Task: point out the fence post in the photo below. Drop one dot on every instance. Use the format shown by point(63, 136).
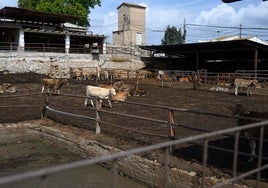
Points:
point(98, 106)
point(171, 129)
point(44, 105)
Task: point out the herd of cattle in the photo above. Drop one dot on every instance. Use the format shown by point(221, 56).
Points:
point(120, 91)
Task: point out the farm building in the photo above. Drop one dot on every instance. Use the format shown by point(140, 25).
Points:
point(131, 25)
point(27, 30)
point(214, 56)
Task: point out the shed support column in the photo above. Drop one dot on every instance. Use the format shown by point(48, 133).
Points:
point(67, 43)
point(255, 63)
point(21, 40)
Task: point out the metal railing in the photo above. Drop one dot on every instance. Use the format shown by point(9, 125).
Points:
point(203, 138)
point(60, 48)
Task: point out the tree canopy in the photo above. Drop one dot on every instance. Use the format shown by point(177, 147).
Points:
point(80, 8)
point(173, 36)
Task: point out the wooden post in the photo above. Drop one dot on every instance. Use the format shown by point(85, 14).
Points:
point(98, 106)
point(44, 105)
point(171, 129)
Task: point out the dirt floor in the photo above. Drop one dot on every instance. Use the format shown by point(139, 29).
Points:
point(182, 95)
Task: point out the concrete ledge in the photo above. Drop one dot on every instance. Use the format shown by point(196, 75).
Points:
point(88, 144)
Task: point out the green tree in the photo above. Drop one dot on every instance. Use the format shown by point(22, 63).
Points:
point(79, 8)
point(173, 36)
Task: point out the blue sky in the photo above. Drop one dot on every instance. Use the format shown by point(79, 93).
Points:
point(198, 14)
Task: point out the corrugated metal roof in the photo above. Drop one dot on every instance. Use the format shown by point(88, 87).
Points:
point(36, 16)
point(213, 50)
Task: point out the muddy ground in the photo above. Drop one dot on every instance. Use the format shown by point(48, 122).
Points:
point(182, 95)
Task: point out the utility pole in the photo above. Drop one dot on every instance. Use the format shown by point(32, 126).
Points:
point(240, 31)
point(184, 30)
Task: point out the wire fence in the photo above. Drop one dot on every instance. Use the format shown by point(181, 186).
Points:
point(170, 141)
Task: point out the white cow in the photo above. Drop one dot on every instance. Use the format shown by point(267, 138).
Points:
point(100, 93)
point(248, 85)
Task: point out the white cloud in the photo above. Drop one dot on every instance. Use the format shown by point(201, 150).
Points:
point(9, 3)
point(226, 15)
point(222, 14)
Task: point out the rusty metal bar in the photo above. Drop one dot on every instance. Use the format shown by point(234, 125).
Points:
point(171, 129)
point(260, 155)
point(69, 114)
point(77, 164)
point(134, 130)
point(235, 155)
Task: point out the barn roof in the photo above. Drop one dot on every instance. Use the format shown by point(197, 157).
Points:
point(35, 16)
point(232, 49)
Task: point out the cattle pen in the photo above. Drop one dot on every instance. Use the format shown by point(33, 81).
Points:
point(164, 130)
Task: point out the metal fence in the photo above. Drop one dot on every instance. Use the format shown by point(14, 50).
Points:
point(203, 139)
point(60, 48)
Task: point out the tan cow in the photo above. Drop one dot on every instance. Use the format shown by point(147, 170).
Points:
point(248, 85)
point(121, 96)
point(185, 79)
point(53, 83)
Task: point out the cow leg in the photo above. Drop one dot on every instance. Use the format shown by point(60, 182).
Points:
point(100, 102)
point(252, 146)
point(86, 99)
point(236, 90)
point(91, 102)
point(110, 104)
point(43, 88)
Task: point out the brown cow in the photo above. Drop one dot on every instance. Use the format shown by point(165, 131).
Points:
point(53, 83)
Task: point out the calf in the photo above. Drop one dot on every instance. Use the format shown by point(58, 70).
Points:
point(165, 78)
point(249, 85)
point(4, 87)
point(250, 134)
point(121, 96)
point(185, 79)
point(100, 93)
point(53, 83)
point(121, 86)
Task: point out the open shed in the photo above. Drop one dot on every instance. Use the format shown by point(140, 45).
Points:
point(28, 30)
point(213, 56)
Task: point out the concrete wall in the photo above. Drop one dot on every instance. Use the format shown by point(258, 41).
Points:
point(57, 64)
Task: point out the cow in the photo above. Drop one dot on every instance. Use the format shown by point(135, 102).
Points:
point(138, 92)
point(248, 85)
point(121, 86)
point(185, 79)
point(11, 89)
point(121, 96)
point(4, 87)
point(250, 134)
point(53, 83)
point(165, 78)
point(100, 93)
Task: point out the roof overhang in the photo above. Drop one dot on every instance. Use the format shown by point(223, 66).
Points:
point(212, 50)
point(35, 16)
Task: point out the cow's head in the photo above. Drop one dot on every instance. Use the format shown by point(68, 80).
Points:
point(112, 91)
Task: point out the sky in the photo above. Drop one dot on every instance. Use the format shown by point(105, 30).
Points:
point(204, 19)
